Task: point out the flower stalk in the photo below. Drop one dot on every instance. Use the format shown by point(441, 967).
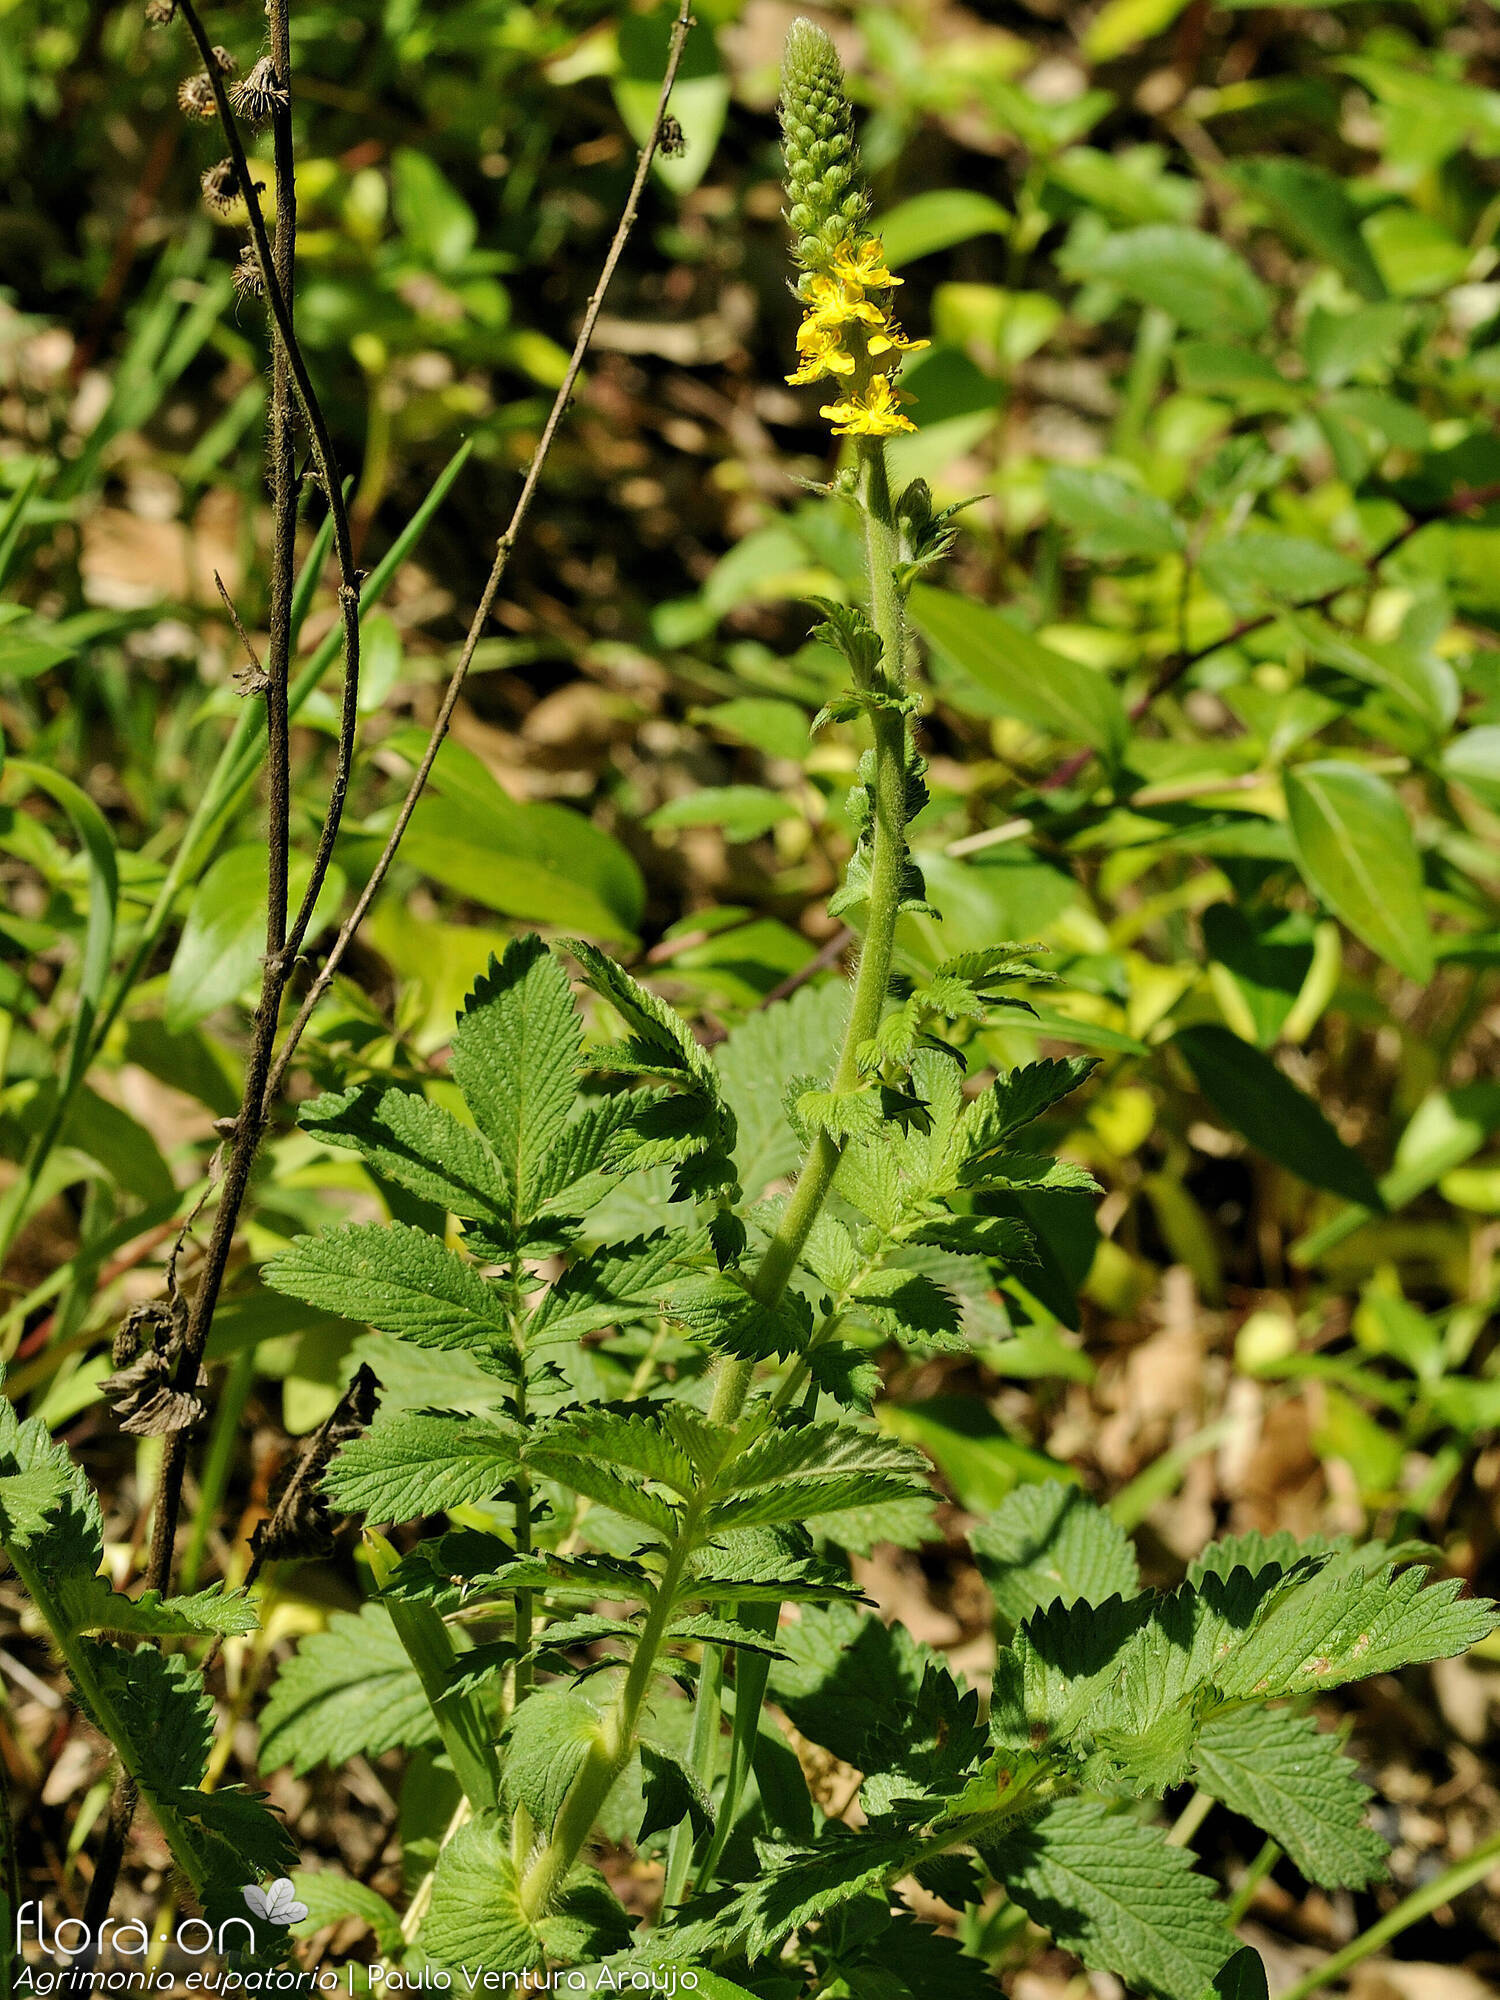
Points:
point(848, 333)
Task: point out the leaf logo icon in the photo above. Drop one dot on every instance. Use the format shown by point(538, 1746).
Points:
point(276, 1905)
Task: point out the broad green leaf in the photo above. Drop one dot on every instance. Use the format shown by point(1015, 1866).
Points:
point(1314, 208)
point(980, 1461)
point(1339, 346)
point(1414, 254)
point(540, 862)
point(1259, 1101)
point(700, 96)
point(332, 1897)
point(347, 1692)
point(1418, 678)
point(1266, 967)
point(435, 219)
point(1049, 1542)
point(1323, 1635)
point(1242, 1977)
point(743, 812)
point(415, 1463)
point(398, 1279)
point(1118, 1895)
point(1354, 846)
point(1245, 569)
point(1194, 278)
point(619, 1286)
point(797, 1037)
point(794, 1475)
point(1473, 759)
point(635, 1444)
point(1446, 1129)
point(30, 648)
point(475, 1916)
point(1294, 1782)
point(936, 220)
point(1122, 25)
point(1110, 515)
point(1024, 677)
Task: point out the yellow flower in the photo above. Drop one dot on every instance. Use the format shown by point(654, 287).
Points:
point(864, 264)
point(821, 352)
point(831, 302)
point(875, 414)
point(889, 339)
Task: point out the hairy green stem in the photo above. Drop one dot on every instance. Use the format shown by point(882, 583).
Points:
point(555, 1860)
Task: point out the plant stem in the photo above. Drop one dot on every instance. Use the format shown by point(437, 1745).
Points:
point(1410, 1910)
point(282, 468)
point(554, 1862)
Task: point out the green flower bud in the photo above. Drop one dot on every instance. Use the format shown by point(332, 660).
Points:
point(827, 195)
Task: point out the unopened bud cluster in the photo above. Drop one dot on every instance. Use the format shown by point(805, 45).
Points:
point(848, 333)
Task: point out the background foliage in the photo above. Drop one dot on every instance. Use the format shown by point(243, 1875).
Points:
point(1213, 711)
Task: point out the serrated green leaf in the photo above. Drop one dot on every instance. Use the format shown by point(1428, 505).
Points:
point(1048, 1542)
point(638, 1444)
point(333, 1898)
point(912, 1308)
point(672, 1792)
point(1330, 1630)
point(712, 1307)
point(793, 1475)
point(796, 1888)
point(1294, 1782)
point(347, 1692)
point(419, 1145)
point(547, 1742)
point(1015, 1100)
point(514, 1057)
point(414, 1463)
point(585, 1474)
point(1118, 1895)
point(399, 1280)
point(617, 1286)
point(475, 1916)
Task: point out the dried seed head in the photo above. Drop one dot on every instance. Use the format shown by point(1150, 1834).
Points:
point(671, 142)
point(221, 188)
point(224, 62)
point(195, 96)
point(260, 93)
point(248, 281)
point(160, 13)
